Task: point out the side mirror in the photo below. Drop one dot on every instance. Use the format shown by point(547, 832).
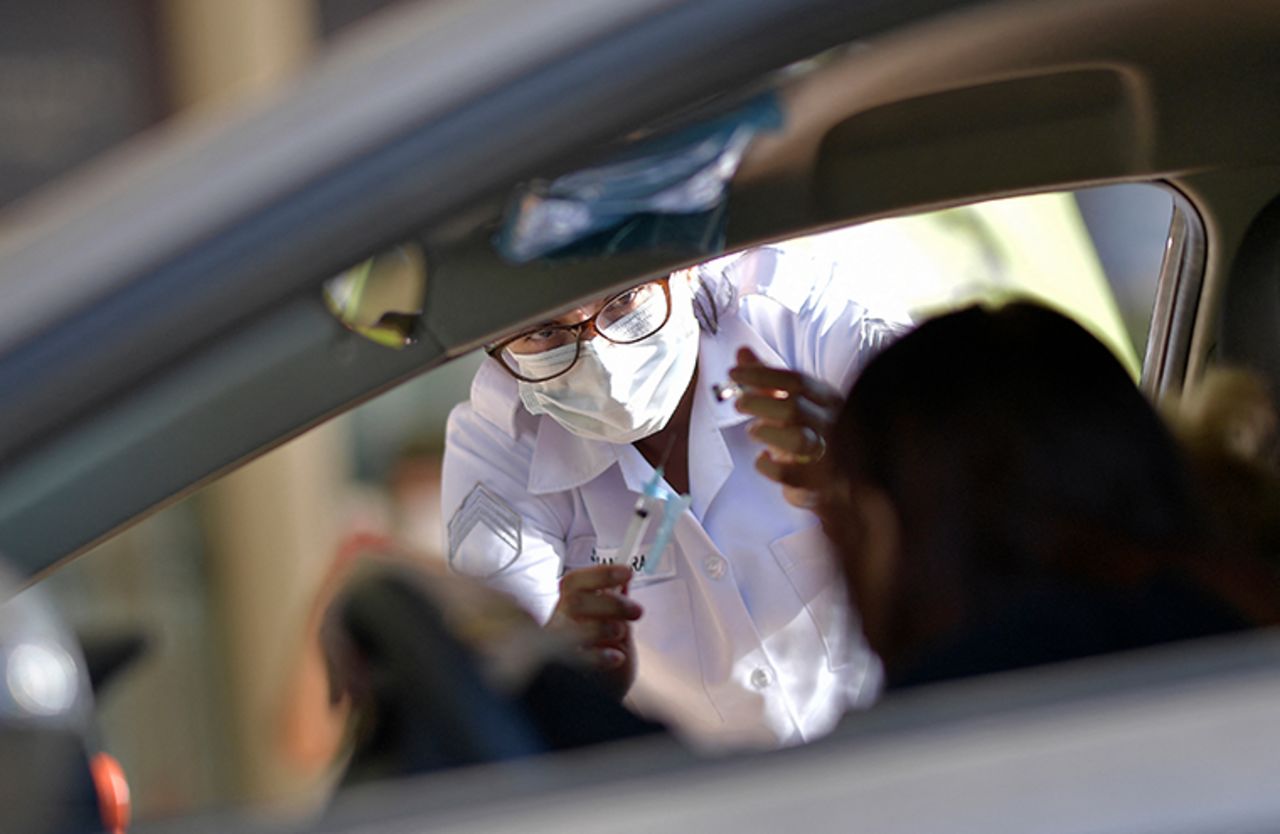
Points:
point(382, 298)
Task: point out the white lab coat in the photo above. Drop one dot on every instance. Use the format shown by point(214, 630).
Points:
point(746, 638)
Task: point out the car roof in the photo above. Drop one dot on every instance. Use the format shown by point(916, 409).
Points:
point(164, 324)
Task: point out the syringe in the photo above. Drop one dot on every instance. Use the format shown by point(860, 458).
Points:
point(647, 505)
point(672, 509)
point(654, 497)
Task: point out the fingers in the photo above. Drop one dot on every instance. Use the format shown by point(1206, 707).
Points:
point(594, 578)
point(595, 610)
point(801, 443)
point(599, 622)
point(600, 632)
point(597, 593)
point(606, 658)
point(594, 606)
point(793, 412)
point(600, 605)
point(782, 409)
point(784, 397)
point(806, 476)
point(605, 645)
point(805, 499)
point(752, 374)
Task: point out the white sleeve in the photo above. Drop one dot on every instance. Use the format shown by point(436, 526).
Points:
point(497, 531)
point(837, 335)
point(830, 334)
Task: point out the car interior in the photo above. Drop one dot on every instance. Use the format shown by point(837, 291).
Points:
point(173, 313)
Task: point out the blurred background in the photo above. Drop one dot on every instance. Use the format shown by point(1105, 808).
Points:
point(207, 580)
point(220, 583)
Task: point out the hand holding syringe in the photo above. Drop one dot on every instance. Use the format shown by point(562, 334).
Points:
point(595, 611)
point(593, 601)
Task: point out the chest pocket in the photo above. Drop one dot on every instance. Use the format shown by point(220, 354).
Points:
point(805, 559)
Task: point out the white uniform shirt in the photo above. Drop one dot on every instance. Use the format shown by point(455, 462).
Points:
point(746, 637)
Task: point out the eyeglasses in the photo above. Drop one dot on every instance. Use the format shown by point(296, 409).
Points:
point(549, 351)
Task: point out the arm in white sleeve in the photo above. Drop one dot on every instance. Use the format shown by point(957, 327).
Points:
point(833, 335)
point(498, 532)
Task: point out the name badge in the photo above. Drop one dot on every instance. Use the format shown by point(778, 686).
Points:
point(665, 569)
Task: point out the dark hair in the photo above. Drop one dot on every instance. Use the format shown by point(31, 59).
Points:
point(1015, 446)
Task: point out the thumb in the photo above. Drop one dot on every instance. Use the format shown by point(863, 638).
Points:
point(747, 357)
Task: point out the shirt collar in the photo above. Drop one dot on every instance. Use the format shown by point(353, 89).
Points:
point(562, 460)
point(495, 395)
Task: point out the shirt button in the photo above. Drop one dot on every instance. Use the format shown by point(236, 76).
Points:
point(761, 678)
point(715, 566)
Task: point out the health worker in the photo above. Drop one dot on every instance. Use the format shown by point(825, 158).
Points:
point(738, 633)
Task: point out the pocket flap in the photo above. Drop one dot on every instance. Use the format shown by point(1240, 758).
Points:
point(805, 557)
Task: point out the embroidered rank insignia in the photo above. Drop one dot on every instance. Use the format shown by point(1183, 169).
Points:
point(484, 534)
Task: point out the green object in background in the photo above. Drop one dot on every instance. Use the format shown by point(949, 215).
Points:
point(1049, 255)
point(925, 264)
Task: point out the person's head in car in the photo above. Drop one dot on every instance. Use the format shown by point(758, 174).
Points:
point(1005, 496)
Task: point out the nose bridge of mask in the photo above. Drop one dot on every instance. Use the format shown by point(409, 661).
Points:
point(634, 370)
point(548, 361)
point(638, 322)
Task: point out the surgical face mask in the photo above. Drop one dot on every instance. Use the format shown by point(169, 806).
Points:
point(618, 393)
